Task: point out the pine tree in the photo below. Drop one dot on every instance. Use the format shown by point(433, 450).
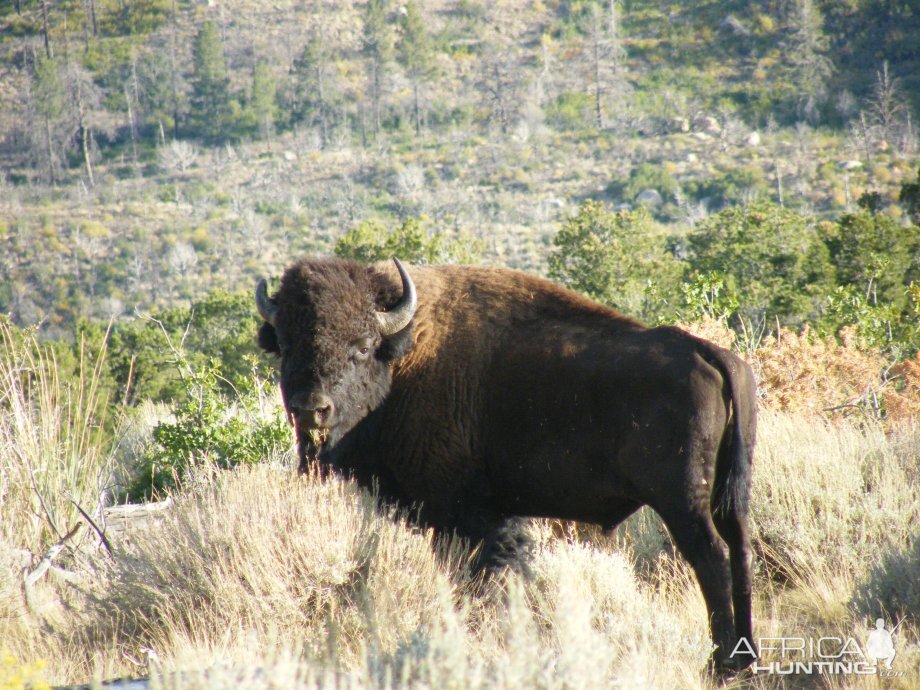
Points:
point(211, 109)
point(808, 64)
point(263, 108)
point(48, 103)
point(378, 49)
point(415, 54)
point(314, 82)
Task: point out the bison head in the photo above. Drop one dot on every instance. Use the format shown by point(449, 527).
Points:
point(337, 326)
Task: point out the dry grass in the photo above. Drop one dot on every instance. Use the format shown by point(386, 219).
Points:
point(256, 578)
point(52, 460)
point(52, 455)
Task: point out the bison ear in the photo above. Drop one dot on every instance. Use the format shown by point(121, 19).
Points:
point(268, 338)
point(398, 345)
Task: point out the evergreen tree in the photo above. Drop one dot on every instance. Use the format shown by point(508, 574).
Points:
point(876, 254)
point(48, 104)
point(909, 199)
point(772, 259)
point(809, 66)
point(610, 256)
point(314, 82)
point(415, 54)
point(378, 49)
point(263, 108)
point(211, 108)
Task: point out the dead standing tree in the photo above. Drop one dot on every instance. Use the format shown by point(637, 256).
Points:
point(500, 84)
point(604, 54)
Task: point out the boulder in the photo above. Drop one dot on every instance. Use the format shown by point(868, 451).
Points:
point(650, 198)
point(731, 24)
point(678, 124)
point(707, 124)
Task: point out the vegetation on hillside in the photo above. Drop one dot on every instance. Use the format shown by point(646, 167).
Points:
point(155, 150)
point(745, 170)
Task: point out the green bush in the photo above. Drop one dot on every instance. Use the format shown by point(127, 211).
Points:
point(143, 352)
point(773, 260)
point(644, 176)
point(728, 188)
point(875, 253)
point(612, 257)
point(570, 110)
point(210, 425)
point(371, 241)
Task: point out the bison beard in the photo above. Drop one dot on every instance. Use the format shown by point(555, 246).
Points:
point(486, 396)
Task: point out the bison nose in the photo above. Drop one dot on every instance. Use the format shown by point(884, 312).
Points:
point(315, 409)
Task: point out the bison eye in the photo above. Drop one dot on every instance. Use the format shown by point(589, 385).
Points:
point(363, 348)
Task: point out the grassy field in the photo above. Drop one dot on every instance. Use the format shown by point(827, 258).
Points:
point(257, 578)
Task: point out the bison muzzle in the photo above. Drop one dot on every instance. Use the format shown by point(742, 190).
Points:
point(485, 395)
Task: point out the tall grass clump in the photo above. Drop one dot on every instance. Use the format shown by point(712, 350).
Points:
point(253, 566)
point(55, 459)
point(55, 449)
point(256, 553)
point(832, 497)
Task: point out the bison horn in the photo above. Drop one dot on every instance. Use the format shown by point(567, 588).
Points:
point(393, 321)
point(267, 308)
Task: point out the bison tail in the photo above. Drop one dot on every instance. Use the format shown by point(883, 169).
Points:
point(732, 488)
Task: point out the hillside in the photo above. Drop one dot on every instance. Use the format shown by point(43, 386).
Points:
point(124, 186)
point(745, 170)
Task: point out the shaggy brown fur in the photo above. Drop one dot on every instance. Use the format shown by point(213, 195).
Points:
point(510, 396)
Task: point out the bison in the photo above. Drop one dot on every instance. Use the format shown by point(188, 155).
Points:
point(486, 395)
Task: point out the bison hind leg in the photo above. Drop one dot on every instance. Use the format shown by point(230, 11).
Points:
point(502, 543)
point(732, 525)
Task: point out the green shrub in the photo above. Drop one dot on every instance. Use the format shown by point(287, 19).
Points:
point(611, 257)
point(371, 241)
point(644, 176)
point(570, 110)
point(773, 260)
point(223, 326)
point(211, 426)
point(876, 254)
point(729, 188)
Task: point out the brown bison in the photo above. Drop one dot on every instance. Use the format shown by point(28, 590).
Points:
point(485, 395)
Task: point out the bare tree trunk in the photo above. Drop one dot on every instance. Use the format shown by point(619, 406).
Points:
point(50, 151)
point(323, 115)
point(376, 96)
point(173, 73)
point(599, 112)
point(44, 7)
point(132, 125)
point(779, 183)
point(85, 136)
point(418, 118)
point(363, 117)
point(89, 10)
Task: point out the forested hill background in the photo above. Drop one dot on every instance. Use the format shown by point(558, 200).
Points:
point(153, 150)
